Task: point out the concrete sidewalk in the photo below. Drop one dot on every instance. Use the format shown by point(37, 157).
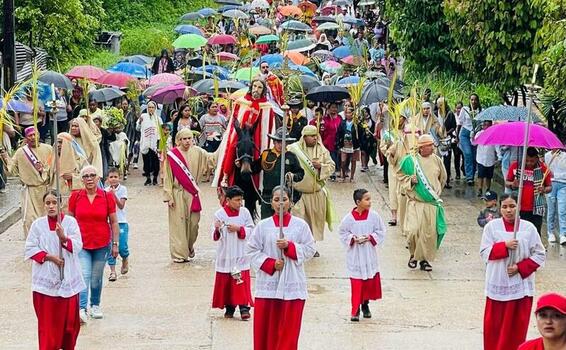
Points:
point(10, 211)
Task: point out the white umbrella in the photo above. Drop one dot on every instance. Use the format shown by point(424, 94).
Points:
point(262, 4)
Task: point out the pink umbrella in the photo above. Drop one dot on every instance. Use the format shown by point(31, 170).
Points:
point(222, 39)
point(86, 72)
point(513, 134)
point(353, 60)
point(165, 78)
point(119, 80)
point(329, 10)
point(227, 56)
point(169, 94)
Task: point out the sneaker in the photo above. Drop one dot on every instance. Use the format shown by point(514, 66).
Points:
point(3, 190)
point(552, 239)
point(135, 165)
point(562, 240)
point(83, 316)
point(96, 312)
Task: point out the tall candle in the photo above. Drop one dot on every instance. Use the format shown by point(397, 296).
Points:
point(53, 92)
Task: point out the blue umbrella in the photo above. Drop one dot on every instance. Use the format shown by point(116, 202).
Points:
point(133, 69)
point(271, 59)
point(353, 80)
point(354, 21)
point(228, 7)
point(503, 112)
point(303, 69)
point(207, 12)
point(17, 106)
point(188, 29)
point(43, 91)
point(191, 16)
point(342, 52)
point(139, 59)
point(221, 72)
point(296, 26)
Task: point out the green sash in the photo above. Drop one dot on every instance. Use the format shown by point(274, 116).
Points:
point(308, 166)
point(410, 165)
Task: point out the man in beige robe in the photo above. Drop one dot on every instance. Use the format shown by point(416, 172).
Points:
point(314, 206)
point(31, 163)
point(427, 123)
point(421, 215)
point(183, 217)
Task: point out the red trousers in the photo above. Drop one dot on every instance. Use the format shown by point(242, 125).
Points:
point(58, 321)
point(363, 290)
point(228, 292)
point(505, 323)
point(277, 324)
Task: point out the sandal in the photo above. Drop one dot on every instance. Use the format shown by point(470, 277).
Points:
point(112, 277)
point(412, 263)
point(425, 266)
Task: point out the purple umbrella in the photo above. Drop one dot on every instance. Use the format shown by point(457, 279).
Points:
point(513, 133)
point(169, 94)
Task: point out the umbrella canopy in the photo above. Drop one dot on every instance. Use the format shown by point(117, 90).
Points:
point(138, 59)
point(57, 79)
point(513, 134)
point(235, 14)
point(188, 29)
point(229, 7)
point(327, 26)
point(222, 39)
point(348, 81)
point(296, 26)
point(509, 113)
point(342, 3)
point(189, 41)
point(207, 12)
point(259, 4)
point(230, 86)
point(264, 39)
point(259, 30)
point(191, 16)
point(133, 69)
point(169, 94)
point(342, 52)
point(105, 94)
point(229, 2)
point(152, 89)
point(165, 78)
point(17, 106)
point(243, 74)
point(366, 3)
point(86, 72)
point(297, 57)
point(196, 61)
point(330, 66)
point(303, 69)
point(309, 82)
point(119, 80)
point(301, 45)
point(271, 59)
point(353, 60)
point(308, 8)
point(324, 19)
point(203, 86)
point(290, 10)
point(353, 21)
point(324, 55)
point(221, 72)
point(227, 56)
point(328, 93)
point(329, 10)
point(376, 91)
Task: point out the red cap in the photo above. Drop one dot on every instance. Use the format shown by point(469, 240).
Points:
point(552, 300)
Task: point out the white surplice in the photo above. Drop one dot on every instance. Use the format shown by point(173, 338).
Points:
point(45, 278)
point(291, 282)
point(231, 250)
point(361, 259)
point(498, 285)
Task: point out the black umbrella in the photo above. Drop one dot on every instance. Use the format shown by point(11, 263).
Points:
point(230, 85)
point(328, 93)
point(59, 80)
point(376, 92)
point(105, 94)
point(324, 19)
point(203, 86)
point(196, 61)
point(228, 2)
point(309, 82)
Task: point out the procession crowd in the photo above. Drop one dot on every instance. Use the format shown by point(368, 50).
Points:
point(277, 148)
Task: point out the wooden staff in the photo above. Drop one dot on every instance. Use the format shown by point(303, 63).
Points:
point(56, 159)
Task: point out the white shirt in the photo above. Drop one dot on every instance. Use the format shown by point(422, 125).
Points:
point(291, 282)
point(121, 192)
point(45, 278)
point(557, 166)
point(361, 259)
point(230, 252)
point(498, 285)
point(486, 155)
point(466, 118)
point(119, 148)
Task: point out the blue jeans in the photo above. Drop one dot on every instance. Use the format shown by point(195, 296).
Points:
point(92, 263)
point(468, 150)
point(556, 201)
point(123, 247)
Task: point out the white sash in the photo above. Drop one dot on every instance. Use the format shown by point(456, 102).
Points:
point(31, 156)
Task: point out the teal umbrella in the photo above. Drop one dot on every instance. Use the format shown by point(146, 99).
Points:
point(264, 39)
point(189, 41)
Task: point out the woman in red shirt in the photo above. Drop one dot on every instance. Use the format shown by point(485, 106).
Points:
point(551, 323)
point(95, 212)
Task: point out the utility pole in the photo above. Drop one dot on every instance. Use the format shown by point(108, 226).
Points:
point(8, 45)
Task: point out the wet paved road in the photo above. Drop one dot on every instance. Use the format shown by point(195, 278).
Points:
point(167, 306)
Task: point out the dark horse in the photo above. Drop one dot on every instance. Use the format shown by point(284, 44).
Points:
point(245, 149)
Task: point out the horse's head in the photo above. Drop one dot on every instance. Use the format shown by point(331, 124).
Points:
point(245, 147)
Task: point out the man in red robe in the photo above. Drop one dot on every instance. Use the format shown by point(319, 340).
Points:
point(274, 84)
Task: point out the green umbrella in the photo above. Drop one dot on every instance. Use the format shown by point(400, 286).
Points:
point(189, 41)
point(244, 74)
point(264, 39)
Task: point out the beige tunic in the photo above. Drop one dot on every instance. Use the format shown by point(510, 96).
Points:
point(35, 183)
point(420, 220)
point(183, 224)
point(312, 205)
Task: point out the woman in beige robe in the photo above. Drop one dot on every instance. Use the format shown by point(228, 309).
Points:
point(89, 141)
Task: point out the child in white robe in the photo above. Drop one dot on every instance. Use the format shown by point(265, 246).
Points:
point(361, 231)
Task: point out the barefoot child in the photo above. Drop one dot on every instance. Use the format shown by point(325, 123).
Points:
point(120, 193)
point(361, 231)
point(231, 228)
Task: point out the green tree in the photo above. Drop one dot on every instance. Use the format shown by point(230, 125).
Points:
point(494, 39)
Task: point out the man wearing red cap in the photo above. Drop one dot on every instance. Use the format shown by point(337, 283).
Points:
point(31, 163)
point(551, 323)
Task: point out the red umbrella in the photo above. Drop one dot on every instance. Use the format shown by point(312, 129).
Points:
point(227, 56)
point(169, 94)
point(222, 39)
point(165, 78)
point(119, 80)
point(329, 10)
point(86, 72)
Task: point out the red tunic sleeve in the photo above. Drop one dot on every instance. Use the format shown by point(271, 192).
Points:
point(498, 251)
point(68, 245)
point(291, 251)
point(372, 240)
point(39, 257)
point(527, 267)
point(242, 233)
point(352, 241)
point(268, 266)
point(216, 235)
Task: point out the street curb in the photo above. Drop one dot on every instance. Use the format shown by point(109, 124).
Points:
point(9, 218)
